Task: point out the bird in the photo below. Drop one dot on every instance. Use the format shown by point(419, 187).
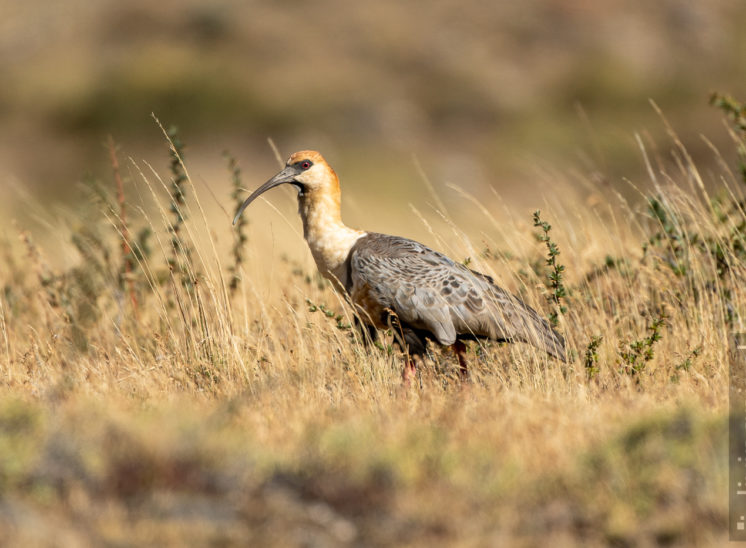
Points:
point(396, 282)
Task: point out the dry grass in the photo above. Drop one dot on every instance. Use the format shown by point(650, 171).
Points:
point(213, 418)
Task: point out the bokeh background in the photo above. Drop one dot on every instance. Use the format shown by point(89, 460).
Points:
point(494, 97)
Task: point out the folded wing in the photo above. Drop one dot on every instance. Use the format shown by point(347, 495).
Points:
point(429, 291)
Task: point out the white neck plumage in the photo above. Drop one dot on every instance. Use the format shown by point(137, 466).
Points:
point(329, 239)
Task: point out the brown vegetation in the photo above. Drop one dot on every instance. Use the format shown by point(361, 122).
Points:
point(256, 414)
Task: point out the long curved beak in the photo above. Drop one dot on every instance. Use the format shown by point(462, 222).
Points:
point(287, 175)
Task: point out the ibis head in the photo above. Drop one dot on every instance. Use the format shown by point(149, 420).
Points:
point(307, 171)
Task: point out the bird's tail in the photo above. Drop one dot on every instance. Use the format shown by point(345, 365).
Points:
point(538, 333)
point(552, 342)
point(526, 325)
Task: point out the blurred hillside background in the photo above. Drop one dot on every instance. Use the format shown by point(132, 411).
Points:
point(481, 94)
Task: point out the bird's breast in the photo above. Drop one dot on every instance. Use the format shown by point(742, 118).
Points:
point(328, 238)
point(369, 306)
point(330, 251)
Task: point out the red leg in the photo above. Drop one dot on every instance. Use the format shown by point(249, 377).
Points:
point(409, 371)
point(460, 349)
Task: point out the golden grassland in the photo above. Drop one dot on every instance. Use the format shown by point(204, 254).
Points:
point(142, 404)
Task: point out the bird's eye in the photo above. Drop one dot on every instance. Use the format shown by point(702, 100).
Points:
point(305, 164)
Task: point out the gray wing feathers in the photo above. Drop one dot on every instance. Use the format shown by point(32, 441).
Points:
point(524, 324)
point(422, 307)
point(429, 291)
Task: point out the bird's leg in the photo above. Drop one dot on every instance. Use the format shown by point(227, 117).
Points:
point(460, 349)
point(411, 344)
point(416, 347)
point(410, 369)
